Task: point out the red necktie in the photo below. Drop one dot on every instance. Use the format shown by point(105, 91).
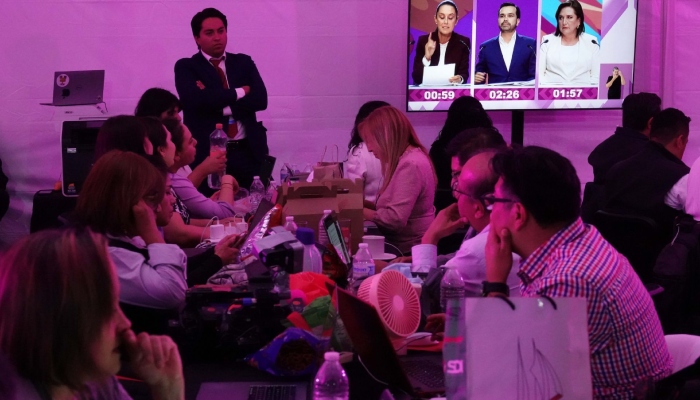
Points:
point(232, 128)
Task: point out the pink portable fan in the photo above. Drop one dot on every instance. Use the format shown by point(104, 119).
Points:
point(397, 303)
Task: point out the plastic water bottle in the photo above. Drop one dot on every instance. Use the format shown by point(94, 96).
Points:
point(362, 263)
point(284, 175)
point(290, 225)
point(217, 144)
point(451, 286)
point(454, 350)
point(257, 193)
point(313, 262)
point(331, 382)
point(322, 234)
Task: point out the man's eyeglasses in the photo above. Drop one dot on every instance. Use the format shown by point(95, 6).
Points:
point(489, 200)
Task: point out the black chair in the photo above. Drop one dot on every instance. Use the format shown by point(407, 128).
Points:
point(593, 200)
point(635, 237)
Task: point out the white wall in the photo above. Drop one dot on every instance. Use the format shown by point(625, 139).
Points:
point(320, 59)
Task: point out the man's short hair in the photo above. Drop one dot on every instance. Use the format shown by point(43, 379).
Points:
point(486, 181)
point(638, 109)
point(543, 181)
point(204, 14)
point(473, 141)
point(668, 125)
point(517, 9)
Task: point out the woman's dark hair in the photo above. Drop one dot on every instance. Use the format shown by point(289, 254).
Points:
point(466, 112)
point(121, 132)
point(578, 10)
point(155, 101)
point(177, 133)
point(362, 113)
point(116, 183)
point(57, 292)
point(155, 132)
point(543, 181)
point(449, 3)
point(198, 18)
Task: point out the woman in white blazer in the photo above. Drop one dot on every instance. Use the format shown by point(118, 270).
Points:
point(569, 56)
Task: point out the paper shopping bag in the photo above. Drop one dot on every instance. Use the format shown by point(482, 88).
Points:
point(536, 350)
point(325, 170)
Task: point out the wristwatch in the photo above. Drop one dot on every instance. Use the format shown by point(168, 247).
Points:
point(494, 287)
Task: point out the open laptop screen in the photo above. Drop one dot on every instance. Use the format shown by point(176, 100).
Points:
point(335, 237)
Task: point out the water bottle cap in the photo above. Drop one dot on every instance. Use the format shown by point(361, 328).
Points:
point(256, 177)
point(363, 245)
point(331, 356)
point(289, 218)
point(219, 126)
point(305, 235)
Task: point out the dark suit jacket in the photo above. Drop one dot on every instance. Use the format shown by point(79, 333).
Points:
point(522, 65)
point(623, 144)
point(639, 184)
point(458, 48)
point(203, 108)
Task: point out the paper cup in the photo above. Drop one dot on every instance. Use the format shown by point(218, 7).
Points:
point(424, 257)
point(375, 244)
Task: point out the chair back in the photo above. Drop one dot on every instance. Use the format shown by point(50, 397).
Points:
point(636, 237)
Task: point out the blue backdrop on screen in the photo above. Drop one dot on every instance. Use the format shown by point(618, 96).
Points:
point(487, 20)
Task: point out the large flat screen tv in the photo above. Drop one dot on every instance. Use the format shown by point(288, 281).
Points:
point(547, 58)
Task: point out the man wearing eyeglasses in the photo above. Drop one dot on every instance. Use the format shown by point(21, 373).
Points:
point(476, 181)
point(535, 214)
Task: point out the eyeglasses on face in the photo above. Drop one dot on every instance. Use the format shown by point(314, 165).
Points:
point(489, 200)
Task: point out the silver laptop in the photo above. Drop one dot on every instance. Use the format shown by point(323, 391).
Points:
point(71, 88)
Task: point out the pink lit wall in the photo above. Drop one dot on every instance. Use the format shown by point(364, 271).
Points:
point(320, 59)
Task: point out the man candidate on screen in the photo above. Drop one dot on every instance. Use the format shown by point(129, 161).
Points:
point(509, 57)
point(226, 88)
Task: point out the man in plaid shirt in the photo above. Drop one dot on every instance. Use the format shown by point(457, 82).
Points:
point(535, 214)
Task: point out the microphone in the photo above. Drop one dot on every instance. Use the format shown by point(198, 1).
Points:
point(594, 42)
point(469, 48)
point(546, 41)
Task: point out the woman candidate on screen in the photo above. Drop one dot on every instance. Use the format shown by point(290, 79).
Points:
point(569, 56)
point(443, 46)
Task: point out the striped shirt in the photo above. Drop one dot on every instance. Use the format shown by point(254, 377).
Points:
point(625, 336)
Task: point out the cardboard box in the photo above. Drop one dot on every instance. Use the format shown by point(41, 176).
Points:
point(307, 200)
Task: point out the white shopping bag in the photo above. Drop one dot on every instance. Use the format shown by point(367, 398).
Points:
point(527, 349)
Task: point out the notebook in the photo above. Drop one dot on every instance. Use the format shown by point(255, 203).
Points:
point(419, 375)
point(78, 87)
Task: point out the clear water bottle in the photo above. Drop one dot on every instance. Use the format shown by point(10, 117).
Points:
point(217, 144)
point(331, 382)
point(290, 225)
point(451, 286)
point(362, 263)
point(284, 175)
point(313, 262)
point(322, 234)
point(257, 193)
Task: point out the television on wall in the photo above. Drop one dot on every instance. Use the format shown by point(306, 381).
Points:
point(521, 55)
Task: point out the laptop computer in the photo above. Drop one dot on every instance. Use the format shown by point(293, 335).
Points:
point(254, 391)
point(72, 88)
point(419, 375)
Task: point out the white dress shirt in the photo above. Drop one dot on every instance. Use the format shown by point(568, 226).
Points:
point(507, 49)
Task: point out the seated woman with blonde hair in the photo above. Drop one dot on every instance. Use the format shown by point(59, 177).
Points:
point(61, 327)
point(404, 208)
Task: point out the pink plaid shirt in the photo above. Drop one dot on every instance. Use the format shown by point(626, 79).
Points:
point(625, 336)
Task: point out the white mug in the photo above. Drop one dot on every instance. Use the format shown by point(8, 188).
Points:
point(375, 244)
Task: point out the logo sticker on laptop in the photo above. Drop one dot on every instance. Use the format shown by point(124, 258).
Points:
point(62, 80)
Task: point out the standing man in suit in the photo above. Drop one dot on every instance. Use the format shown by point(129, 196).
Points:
point(509, 57)
point(217, 87)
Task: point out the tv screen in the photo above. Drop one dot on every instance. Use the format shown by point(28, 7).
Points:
point(521, 55)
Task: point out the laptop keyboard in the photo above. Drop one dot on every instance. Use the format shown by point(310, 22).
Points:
point(272, 392)
point(426, 372)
